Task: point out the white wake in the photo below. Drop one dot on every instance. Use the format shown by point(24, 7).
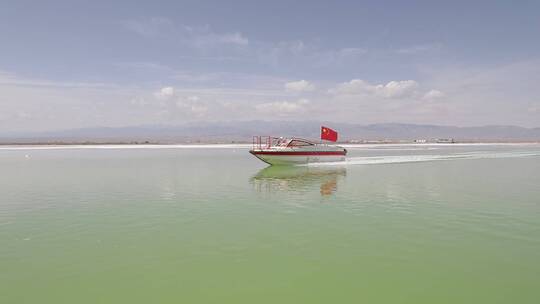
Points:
point(397, 159)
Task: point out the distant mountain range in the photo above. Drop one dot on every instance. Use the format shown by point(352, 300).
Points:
point(243, 131)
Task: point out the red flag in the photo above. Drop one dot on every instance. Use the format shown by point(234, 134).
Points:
point(328, 134)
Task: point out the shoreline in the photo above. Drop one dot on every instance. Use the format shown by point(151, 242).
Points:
point(349, 142)
point(7, 147)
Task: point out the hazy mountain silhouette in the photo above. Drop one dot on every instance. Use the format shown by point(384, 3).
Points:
point(243, 131)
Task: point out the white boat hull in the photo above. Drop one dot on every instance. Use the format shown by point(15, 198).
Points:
point(294, 157)
point(300, 159)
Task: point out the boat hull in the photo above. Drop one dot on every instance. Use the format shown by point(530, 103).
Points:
point(296, 158)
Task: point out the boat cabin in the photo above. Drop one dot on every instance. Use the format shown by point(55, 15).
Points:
point(260, 142)
point(294, 142)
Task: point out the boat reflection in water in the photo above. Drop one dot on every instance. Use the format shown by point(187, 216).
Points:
point(298, 179)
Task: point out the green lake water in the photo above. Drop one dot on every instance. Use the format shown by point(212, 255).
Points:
point(393, 224)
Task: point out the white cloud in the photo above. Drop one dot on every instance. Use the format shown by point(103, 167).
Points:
point(305, 55)
point(149, 27)
point(283, 107)
point(290, 47)
point(392, 89)
point(299, 86)
point(192, 105)
point(195, 36)
point(7, 78)
point(349, 53)
point(193, 98)
point(205, 36)
point(433, 94)
point(138, 101)
point(234, 38)
point(355, 86)
point(199, 109)
point(398, 88)
point(535, 108)
point(195, 108)
point(419, 48)
point(165, 93)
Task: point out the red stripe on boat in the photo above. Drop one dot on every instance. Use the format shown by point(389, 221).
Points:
point(298, 153)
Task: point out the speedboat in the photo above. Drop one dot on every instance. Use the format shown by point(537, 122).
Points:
point(294, 151)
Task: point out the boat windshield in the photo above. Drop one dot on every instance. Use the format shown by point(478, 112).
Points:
point(299, 143)
point(281, 142)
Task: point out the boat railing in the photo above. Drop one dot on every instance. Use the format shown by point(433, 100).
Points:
point(264, 142)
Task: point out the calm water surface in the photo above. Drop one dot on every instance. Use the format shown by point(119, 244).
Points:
point(393, 224)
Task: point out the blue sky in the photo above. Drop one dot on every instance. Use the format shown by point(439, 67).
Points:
point(73, 64)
